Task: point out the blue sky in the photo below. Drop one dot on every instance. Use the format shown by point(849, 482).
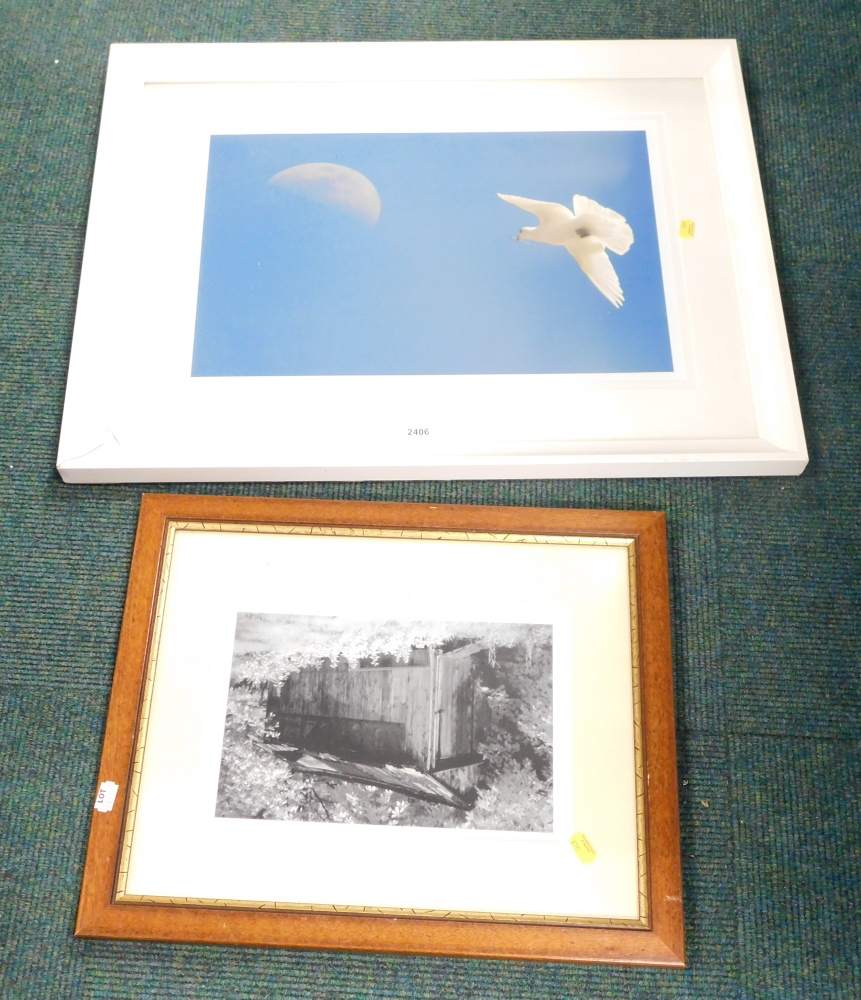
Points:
point(289, 286)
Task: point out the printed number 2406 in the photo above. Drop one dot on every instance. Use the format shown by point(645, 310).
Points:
point(418, 431)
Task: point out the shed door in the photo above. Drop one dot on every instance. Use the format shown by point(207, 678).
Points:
point(455, 710)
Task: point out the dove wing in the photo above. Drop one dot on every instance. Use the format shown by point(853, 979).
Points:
point(599, 270)
point(547, 211)
point(605, 224)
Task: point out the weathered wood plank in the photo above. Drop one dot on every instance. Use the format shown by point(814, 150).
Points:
point(401, 779)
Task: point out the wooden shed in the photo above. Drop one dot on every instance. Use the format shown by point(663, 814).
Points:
point(418, 712)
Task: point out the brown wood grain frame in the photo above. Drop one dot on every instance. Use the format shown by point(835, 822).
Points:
point(660, 942)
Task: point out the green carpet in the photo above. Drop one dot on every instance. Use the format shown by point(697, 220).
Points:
point(765, 572)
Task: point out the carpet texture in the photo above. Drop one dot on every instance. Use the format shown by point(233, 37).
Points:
point(765, 572)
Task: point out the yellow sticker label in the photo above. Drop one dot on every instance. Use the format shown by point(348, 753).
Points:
point(686, 229)
point(583, 849)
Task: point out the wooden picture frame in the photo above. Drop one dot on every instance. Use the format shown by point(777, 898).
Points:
point(610, 851)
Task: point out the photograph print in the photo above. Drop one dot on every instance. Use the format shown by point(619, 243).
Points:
point(392, 722)
point(430, 254)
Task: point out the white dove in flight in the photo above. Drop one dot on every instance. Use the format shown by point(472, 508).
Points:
point(586, 233)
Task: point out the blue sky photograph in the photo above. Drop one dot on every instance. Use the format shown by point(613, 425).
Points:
point(378, 254)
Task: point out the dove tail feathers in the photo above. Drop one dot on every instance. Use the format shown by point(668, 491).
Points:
point(608, 226)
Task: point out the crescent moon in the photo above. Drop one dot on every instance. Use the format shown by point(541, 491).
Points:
point(335, 185)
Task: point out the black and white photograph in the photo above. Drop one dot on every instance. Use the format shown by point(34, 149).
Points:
point(392, 722)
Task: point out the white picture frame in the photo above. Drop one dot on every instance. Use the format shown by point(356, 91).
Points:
point(134, 413)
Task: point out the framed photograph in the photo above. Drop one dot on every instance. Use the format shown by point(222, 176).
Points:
point(427, 260)
point(392, 727)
